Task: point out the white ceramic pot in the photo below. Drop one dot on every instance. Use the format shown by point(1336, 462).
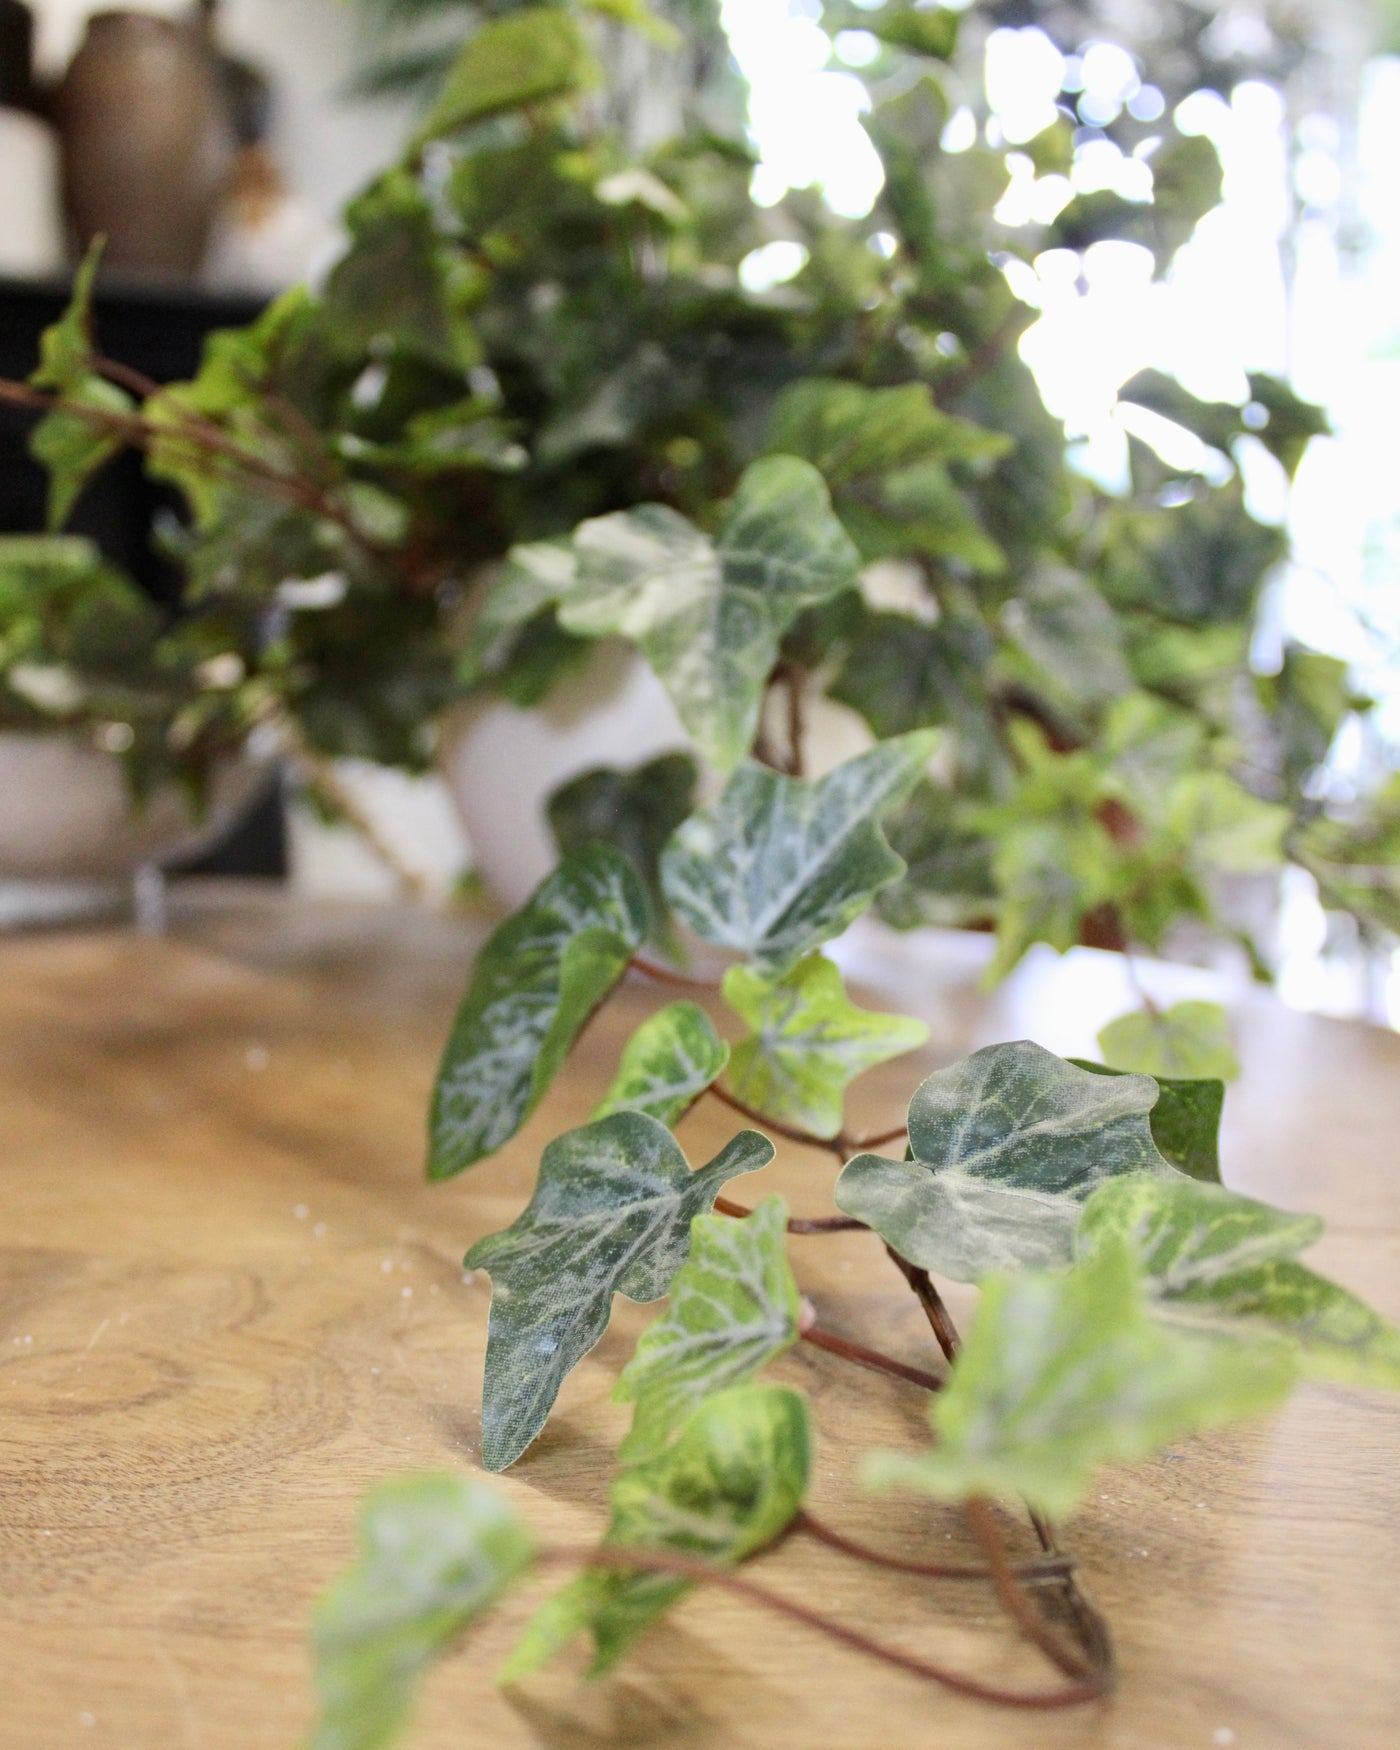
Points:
point(66, 813)
point(502, 762)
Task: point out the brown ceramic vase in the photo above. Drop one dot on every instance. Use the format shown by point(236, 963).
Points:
point(147, 143)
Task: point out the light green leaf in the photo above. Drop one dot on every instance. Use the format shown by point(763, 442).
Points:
point(780, 865)
point(610, 1215)
point(523, 58)
point(1221, 824)
point(537, 980)
point(1006, 1146)
point(734, 1306)
point(435, 1551)
point(1189, 1041)
point(1068, 1370)
point(1224, 1264)
point(709, 616)
point(729, 1485)
point(809, 1042)
point(70, 446)
point(1185, 1121)
point(666, 1065)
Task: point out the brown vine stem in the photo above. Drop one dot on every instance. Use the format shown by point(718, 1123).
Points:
point(668, 975)
point(700, 1572)
point(833, 1144)
point(882, 1139)
point(1038, 1572)
point(796, 720)
point(939, 1318)
point(799, 1224)
point(1091, 1627)
point(141, 433)
point(871, 1359)
point(1012, 1594)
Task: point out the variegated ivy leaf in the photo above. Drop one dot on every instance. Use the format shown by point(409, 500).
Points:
point(1225, 1264)
point(667, 1064)
point(1185, 1121)
point(435, 1551)
point(734, 1306)
point(611, 1214)
point(780, 865)
point(709, 615)
point(809, 1042)
point(729, 1485)
point(1066, 1370)
point(1005, 1147)
point(1188, 1041)
point(536, 982)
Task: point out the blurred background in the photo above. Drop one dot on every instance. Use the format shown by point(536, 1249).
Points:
point(272, 113)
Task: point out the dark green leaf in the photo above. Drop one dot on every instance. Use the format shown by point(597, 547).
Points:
point(636, 810)
point(610, 1215)
point(729, 1485)
point(1005, 1146)
point(667, 1064)
point(949, 879)
point(780, 865)
point(1065, 1371)
point(809, 1042)
point(734, 1306)
point(1185, 1121)
point(902, 675)
point(435, 1552)
point(537, 981)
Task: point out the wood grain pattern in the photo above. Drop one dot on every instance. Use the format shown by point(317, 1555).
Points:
point(228, 1302)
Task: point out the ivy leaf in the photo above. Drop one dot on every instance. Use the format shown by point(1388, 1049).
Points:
point(1220, 1263)
point(709, 616)
point(399, 285)
point(523, 58)
point(1189, 1041)
point(901, 675)
point(728, 1486)
point(1185, 1121)
point(1005, 1147)
point(635, 810)
point(72, 448)
point(537, 981)
point(435, 1552)
point(780, 865)
point(610, 1215)
point(1063, 1371)
point(809, 1041)
point(667, 1064)
point(1072, 635)
point(1221, 824)
point(734, 1306)
point(853, 433)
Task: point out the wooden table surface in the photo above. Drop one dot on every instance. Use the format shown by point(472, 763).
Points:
point(229, 1302)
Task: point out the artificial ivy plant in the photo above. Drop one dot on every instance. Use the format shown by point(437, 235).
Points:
point(1127, 1297)
point(538, 403)
point(538, 400)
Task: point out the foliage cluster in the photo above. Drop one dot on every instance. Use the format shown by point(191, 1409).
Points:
point(538, 403)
